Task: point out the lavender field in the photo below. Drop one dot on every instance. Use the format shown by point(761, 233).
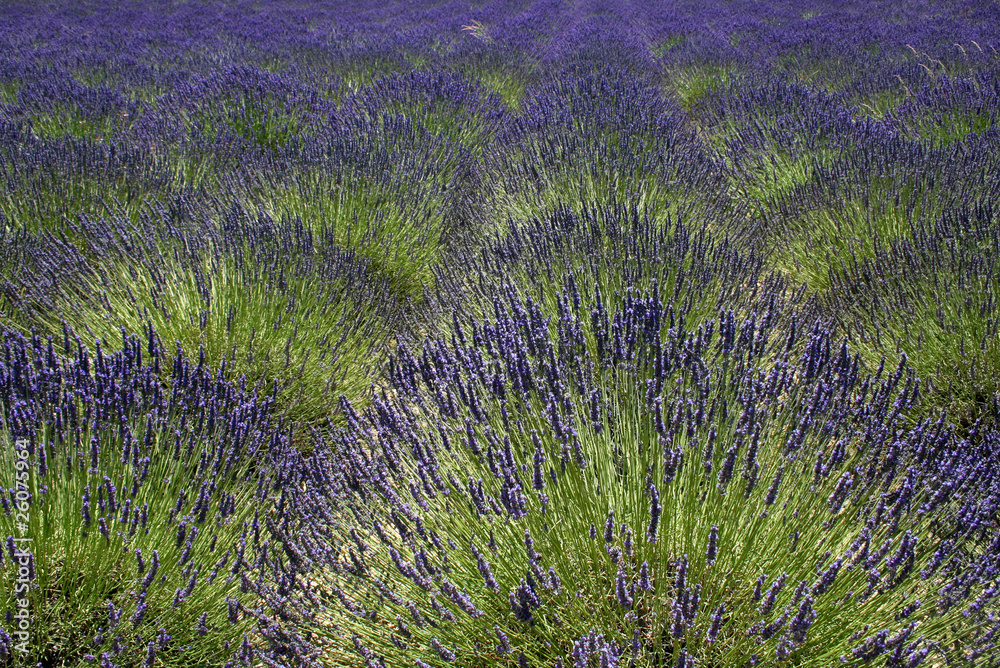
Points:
point(527, 333)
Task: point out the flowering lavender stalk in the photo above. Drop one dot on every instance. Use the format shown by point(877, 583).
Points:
point(713, 548)
point(655, 509)
point(625, 599)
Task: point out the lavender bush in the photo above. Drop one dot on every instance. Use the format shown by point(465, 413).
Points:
point(56, 104)
point(606, 137)
point(51, 182)
point(664, 497)
point(385, 188)
point(268, 300)
point(947, 108)
point(875, 195)
point(262, 108)
point(446, 104)
point(933, 298)
point(597, 255)
point(774, 135)
point(147, 508)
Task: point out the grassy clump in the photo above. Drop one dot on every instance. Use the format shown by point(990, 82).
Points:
point(827, 235)
point(51, 182)
point(598, 255)
point(944, 106)
point(446, 104)
point(774, 136)
point(877, 193)
point(145, 506)
point(599, 139)
point(385, 189)
point(265, 110)
point(662, 495)
point(269, 300)
point(933, 298)
point(56, 105)
point(692, 83)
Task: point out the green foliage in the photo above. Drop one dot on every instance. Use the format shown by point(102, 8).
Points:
point(587, 157)
point(770, 148)
point(266, 110)
point(449, 106)
point(8, 91)
point(82, 576)
point(510, 83)
point(880, 105)
point(274, 307)
point(659, 50)
point(400, 237)
point(761, 179)
point(577, 177)
point(69, 122)
point(839, 218)
point(954, 126)
point(822, 239)
point(354, 74)
point(609, 249)
point(690, 84)
point(932, 297)
point(258, 123)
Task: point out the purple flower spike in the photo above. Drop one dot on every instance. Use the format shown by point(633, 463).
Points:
point(625, 599)
point(655, 509)
point(713, 539)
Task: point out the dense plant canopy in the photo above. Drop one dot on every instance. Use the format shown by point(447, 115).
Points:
point(535, 334)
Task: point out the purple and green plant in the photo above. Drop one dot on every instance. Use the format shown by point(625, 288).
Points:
point(264, 109)
point(271, 301)
point(598, 255)
point(50, 183)
point(933, 297)
point(385, 189)
point(446, 104)
point(142, 510)
point(601, 138)
point(947, 109)
point(668, 495)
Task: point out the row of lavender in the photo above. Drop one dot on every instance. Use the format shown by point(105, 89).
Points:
point(637, 448)
point(646, 453)
point(558, 412)
point(623, 205)
point(415, 168)
point(161, 40)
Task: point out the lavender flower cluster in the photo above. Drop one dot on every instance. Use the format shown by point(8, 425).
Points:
point(181, 283)
point(150, 506)
point(761, 496)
